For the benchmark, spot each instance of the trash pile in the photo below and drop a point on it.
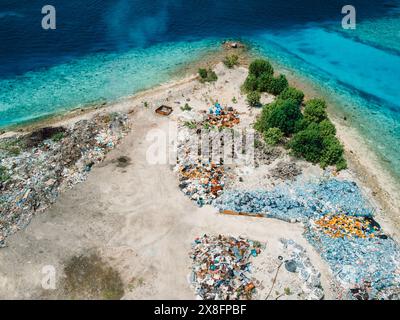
(272, 204)
(48, 161)
(339, 224)
(334, 196)
(201, 182)
(285, 171)
(299, 201)
(298, 262)
(202, 177)
(343, 226)
(364, 268)
(221, 267)
(227, 118)
(263, 153)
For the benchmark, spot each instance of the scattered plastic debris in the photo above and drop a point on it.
(201, 182)
(221, 267)
(298, 201)
(342, 226)
(371, 264)
(298, 262)
(222, 118)
(339, 223)
(49, 160)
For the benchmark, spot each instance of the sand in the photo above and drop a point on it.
(136, 217)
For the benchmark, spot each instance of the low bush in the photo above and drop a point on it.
(278, 84)
(250, 84)
(282, 114)
(273, 136)
(318, 145)
(292, 93)
(231, 61)
(253, 99)
(327, 128)
(259, 67)
(308, 144)
(186, 107)
(207, 75)
(57, 136)
(315, 110)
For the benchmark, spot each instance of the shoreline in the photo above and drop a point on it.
(377, 182)
(369, 171)
(112, 212)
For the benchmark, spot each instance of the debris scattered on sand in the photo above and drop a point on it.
(298, 201)
(226, 119)
(49, 160)
(263, 153)
(297, 261)
(201, 182)
(371, 264)
(222, 268)
(343, 226)
(285, 171)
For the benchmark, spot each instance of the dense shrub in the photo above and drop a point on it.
(207, 75)
(259, 67)
(231, 61)
(250, 84)
(273, 136)
(292, 93)
(332, 152)
(275, 86)
(327, 128)
(308, 143)
(315, 110)
(282, 114)
(318, 145)
(253, 99)
(264, 82)
(278, 84)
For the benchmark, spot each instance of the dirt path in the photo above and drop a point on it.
(138, 221)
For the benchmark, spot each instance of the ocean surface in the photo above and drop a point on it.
(103, 50)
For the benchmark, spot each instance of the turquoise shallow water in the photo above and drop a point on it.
(95, 78)
(363, 80)
(358, 69)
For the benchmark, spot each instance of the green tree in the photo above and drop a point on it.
(308, 144)
(315, 110)
(250, 84)
(253, 99)
(273, 136)
(332, 153)
(278, 84)
(264, 82)
(327, 128)
(259, 67)
(292, 93)
(283, 114)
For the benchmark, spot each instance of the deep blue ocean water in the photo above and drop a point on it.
(106, 49)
